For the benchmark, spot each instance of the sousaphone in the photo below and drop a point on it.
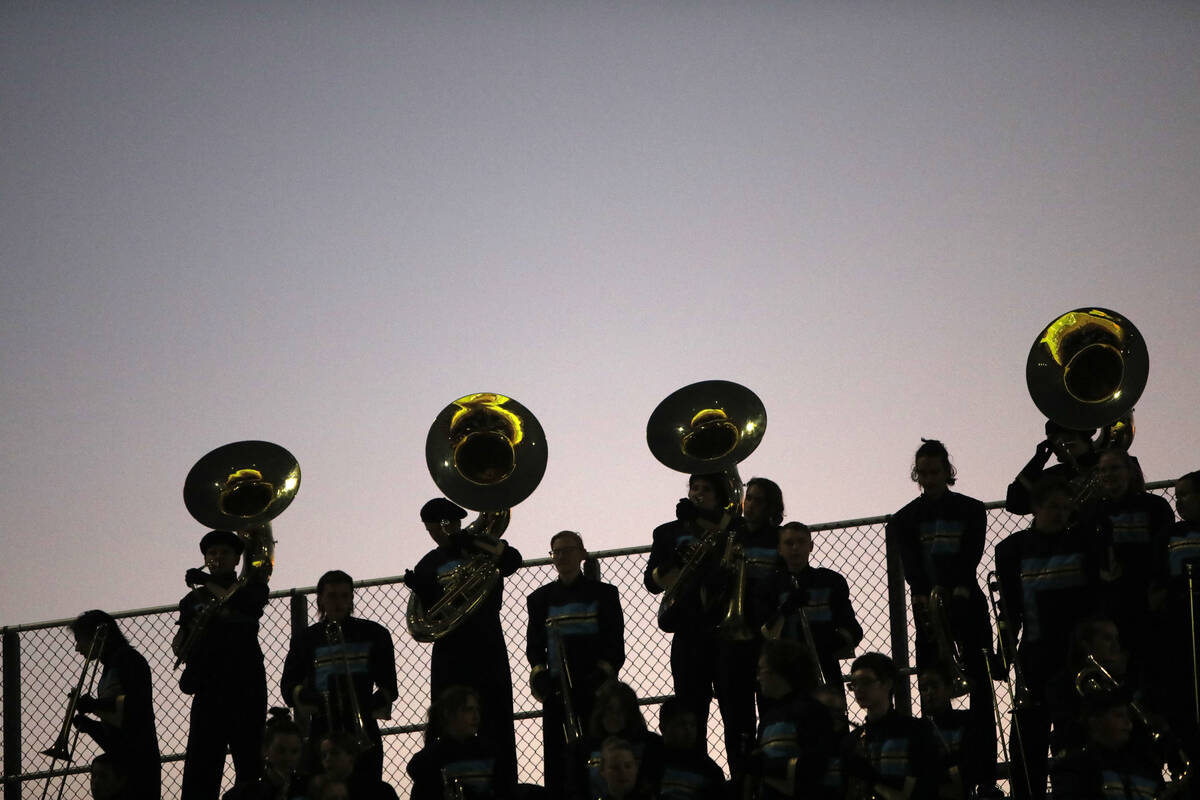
(486, 452)
(1086, 370)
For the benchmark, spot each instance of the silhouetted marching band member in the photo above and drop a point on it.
(616, 713)
(965, 763)
(1140, 522)
(1076, 456)
(342, 672)
(1115, 763)
(218, 623)
(474, 654)
(694, 669)
(455, 758)
(762, 511)
(124, 703)
(688, 772)
(1051, 579)
(1174, 668)
(1099, 637)
(282, 746)
(797, 739)
(891, 756)
(940, 537)
(798, 594)
(338, 754)
(582, 616)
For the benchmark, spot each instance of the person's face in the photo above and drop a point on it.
(336, 761)
(871, 693)
(755, 507)
(1069, 446)
(105, 781)
(932, 476)
(795, 546)
(336, 601)
(703, 495)
(442, 531)
(1111, 729)
(619, 768)
(221, 559)
(1052, 514)
(1114, 475)
(1105, 644)
(1187, 500)
(935, 694)
(283, 753)
(681, 731)
(464, 721)
(771, 682)
(567, 556)
(613, 716)
(83, 643)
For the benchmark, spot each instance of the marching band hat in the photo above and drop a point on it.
(222, 537)
(439, 508)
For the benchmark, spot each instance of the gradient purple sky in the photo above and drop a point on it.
(319, 223)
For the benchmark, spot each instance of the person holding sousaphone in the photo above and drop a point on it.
(472, 652)
(235, 489)
(575, 641)
(123, 703)
(224, 674)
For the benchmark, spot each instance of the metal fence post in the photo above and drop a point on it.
(898, 624)
(12, 712)
(298, 606)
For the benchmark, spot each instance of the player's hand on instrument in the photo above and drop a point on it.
(540, 684)
(86, 704)
(410, 579)
(686, 510)
(196, 577)
(462, 542)
(308, 700)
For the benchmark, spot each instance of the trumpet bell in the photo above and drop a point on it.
(486, 452)
(708, 426)
(1087, 368)
(241, 485)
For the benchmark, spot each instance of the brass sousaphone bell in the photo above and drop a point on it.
(710, 427)
(485, 452)
(1086, 370)
(241, 487)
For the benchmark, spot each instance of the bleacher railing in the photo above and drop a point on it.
(40, 664)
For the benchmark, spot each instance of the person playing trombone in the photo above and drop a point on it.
(575, 641)
(341, 671)
(123, 703)
(218, 639)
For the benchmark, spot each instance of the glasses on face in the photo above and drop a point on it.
(562, 551)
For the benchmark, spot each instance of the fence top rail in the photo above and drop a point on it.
(534, 562)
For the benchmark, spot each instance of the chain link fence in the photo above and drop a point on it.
(40, 663)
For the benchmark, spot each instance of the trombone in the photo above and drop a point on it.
(1017, 689)
(338, 689)
(63, 748)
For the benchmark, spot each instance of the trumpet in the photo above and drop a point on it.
(339, 692)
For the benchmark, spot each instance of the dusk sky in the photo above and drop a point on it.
(319, 223)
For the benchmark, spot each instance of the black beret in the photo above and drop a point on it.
(222, 537)
(439, 508)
